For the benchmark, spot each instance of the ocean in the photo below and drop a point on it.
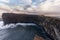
(16, 31)
(22, 31)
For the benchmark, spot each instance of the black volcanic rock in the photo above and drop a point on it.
(50, 24)
(16, 18)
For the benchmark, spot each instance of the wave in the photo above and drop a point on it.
(2, 26)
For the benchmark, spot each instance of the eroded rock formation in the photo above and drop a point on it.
(50, 24)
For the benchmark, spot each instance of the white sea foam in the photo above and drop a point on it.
(2, 26)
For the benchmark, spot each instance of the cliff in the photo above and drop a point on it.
(50, 24)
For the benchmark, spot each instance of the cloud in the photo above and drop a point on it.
(7, 1)
(26, 2)
(50, 6)
(4, 8)
(20, 2)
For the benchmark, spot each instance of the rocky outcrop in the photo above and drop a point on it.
(16, 18)
(50, 24)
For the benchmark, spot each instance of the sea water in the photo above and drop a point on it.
(12, 32)
(18, 32)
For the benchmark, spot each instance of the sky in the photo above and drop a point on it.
(22, 2)
(45, 5)
(25, 2)
(50, 6)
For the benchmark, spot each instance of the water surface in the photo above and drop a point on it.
(16, 31)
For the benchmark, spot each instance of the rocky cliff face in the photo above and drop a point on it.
(50, 24)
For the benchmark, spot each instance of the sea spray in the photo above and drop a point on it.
(2, 26)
